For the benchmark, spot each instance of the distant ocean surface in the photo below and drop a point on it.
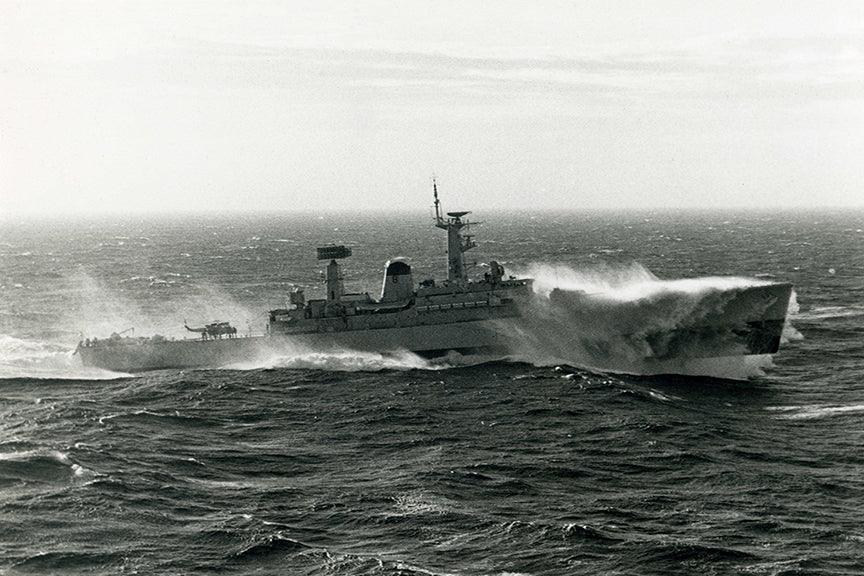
(351, 464)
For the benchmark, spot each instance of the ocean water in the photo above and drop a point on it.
(354, 463)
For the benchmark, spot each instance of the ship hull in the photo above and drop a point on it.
(745, 322)
(427, 341)
(750, 322)
(144, 355)
(732, 322)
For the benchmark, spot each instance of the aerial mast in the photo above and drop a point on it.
(437, 203)
(456, 243)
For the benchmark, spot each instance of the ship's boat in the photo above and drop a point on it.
(434, 318)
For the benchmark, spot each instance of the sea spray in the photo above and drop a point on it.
(22, 358)
(600, 277)
(632, 282)
(626, 319)
(284, 354)
(790, 333)
(341, 361)
(97, 308)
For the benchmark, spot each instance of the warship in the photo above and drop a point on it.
(430, 318)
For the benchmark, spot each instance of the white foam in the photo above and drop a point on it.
(21, 358)
(790, 333)
(341, 360)
(829, 312)
(419, 502)
(25, 455)
(815, 411)
(632, 282)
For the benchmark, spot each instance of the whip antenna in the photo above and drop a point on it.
(437, 202)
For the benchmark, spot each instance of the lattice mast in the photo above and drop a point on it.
(457, 242)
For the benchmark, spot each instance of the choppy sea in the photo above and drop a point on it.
(352, 463)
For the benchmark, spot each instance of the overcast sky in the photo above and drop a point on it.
(188, 106)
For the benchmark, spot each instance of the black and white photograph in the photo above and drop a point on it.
(431, 288)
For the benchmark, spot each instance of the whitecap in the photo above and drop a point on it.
(815, 411)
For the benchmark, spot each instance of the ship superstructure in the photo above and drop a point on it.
(433, 317)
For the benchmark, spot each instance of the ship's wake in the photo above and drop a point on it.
(628, 320)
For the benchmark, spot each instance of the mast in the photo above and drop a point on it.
(437, 203)
(457, 243)
(335, 285)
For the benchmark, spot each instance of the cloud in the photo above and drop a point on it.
(814, 67)
(185, 104)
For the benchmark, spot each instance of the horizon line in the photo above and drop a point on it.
(6, 215)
